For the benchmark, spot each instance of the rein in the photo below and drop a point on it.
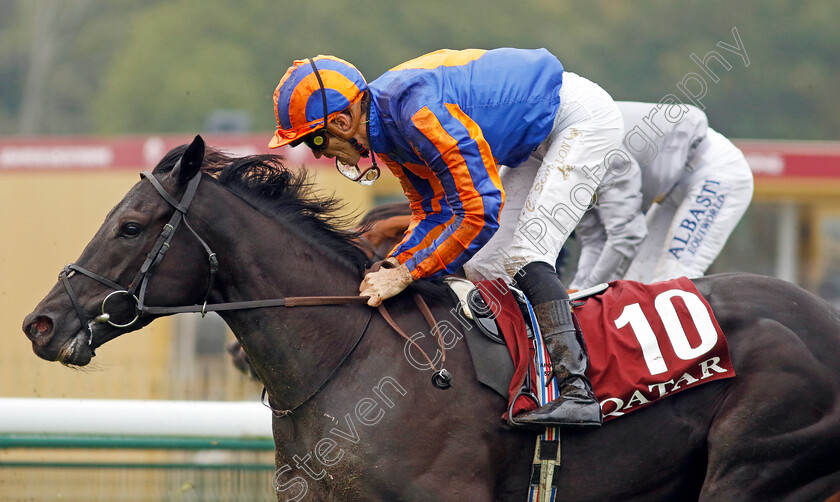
(137, 292)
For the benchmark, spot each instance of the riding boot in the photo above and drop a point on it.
(576, 404)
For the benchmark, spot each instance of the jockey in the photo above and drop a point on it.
(693, 184)
(499, 153)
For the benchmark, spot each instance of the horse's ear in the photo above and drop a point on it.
(190, 162)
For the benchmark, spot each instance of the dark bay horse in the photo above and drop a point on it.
(368, 425)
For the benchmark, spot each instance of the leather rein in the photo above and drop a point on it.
(136, 292)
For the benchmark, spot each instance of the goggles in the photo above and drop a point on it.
(317, 142)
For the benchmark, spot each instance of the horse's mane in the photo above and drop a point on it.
(269, 187)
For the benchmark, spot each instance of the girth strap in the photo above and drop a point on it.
(435, 332)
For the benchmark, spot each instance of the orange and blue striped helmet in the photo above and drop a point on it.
(298, 104)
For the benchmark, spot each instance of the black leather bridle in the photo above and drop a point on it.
(136, 291)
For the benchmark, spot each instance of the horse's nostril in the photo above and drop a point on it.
(40, 330)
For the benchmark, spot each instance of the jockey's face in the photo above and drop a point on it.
(338, 148)
(346, 126)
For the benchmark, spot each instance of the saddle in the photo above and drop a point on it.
(493, 355)
(670, 342)
(645, 342)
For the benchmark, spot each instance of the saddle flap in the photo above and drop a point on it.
(491, 359)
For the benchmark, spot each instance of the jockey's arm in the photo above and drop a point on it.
(623, 228)
(456, 194)
(591, 238)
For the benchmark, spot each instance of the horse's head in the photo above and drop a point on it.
(101, 295)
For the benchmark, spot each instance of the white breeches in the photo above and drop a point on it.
(689, 227)
(548, 193)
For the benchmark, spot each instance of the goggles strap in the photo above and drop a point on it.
(364, 152)
(370, 140)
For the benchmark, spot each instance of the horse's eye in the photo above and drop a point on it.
(130, 230)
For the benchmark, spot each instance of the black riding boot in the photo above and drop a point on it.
(576, 404)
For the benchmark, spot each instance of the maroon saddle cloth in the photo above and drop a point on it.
(645, 342)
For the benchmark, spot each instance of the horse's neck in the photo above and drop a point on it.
(292, 349)
(263, 257)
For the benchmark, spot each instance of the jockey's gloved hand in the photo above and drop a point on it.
(384, 280)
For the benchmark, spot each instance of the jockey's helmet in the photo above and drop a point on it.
(298, 98)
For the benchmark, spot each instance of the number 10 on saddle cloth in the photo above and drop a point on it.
(645, 342)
